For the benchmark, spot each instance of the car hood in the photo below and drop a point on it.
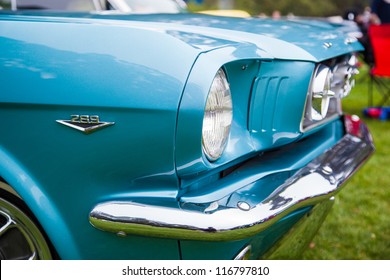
(309, 40)
(318, 38)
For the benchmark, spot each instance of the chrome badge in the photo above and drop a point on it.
(85, 123)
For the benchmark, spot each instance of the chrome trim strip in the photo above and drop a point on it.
(329, 119)
(319, 180)
(86, 130)
(244, 254)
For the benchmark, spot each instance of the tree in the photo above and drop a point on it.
(297, 7)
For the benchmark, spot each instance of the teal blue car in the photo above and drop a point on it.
(171, 136)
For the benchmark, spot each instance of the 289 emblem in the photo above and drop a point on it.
(85, 123)
(84, 119)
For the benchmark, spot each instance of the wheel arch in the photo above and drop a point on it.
(22, 185)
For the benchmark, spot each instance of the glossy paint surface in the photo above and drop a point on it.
(283, 39)
(243, 213)
(51, 71)
(309, 35)
(150, 75)
(261, 119)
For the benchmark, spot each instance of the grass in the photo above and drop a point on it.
(358, 226)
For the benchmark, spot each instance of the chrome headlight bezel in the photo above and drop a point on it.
(331, 81)
(217, 118)
(321, 93)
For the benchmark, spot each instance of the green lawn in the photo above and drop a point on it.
(359, 225)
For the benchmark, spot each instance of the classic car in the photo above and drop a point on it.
(171, 136)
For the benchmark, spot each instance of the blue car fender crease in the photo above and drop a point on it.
(170, 136)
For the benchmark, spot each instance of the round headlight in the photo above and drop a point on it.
(217, 118)
(321, 93)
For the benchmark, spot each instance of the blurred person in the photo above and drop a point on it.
(380, 11)
(276, 14)
(362, 18)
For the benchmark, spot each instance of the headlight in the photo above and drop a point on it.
(329, 84)
(217, 118)
(321, 93)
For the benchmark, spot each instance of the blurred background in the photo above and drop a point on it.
(286, 7)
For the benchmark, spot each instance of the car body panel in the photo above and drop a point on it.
(149, 76)
(45, 64)
(280, 39)
(267, 87)
(307, 35)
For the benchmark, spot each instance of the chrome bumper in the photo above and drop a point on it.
(316, 182)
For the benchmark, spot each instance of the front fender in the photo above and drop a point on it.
(38, 201)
